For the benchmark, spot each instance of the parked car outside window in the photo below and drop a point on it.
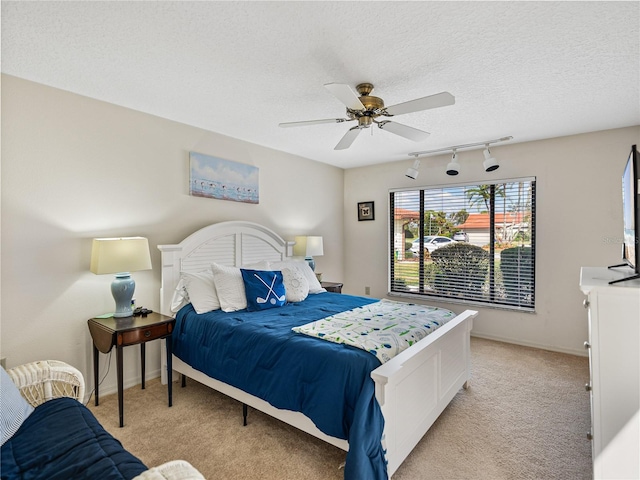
(461, 237)
(431, 243)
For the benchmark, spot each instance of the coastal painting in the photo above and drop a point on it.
(213, 177)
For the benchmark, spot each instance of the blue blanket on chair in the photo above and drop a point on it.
(62, 440)
(259, 353)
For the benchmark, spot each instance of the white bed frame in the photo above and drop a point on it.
(412, 389)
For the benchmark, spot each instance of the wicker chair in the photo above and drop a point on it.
(173, 470)
(41, 381)
(45, 380)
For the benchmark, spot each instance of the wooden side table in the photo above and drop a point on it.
(122, 332)
(332, 287)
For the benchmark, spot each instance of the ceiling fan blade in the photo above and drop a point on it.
(442, 99)
(347, 96)
(348, 138)
(311, 122)
(404, 131)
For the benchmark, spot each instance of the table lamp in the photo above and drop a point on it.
(308, 247)
(121, 256)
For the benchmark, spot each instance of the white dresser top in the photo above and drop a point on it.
(599, 277)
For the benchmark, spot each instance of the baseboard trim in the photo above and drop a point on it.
(569, 351)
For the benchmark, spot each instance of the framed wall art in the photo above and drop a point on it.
(213, 177)
(365, 211)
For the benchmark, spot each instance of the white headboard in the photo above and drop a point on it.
(233, 243)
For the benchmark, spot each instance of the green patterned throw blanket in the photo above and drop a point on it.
(384, 328)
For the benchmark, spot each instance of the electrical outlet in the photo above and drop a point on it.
(3, 362)
(367, 290)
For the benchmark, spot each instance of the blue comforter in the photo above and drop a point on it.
(61, 439)
(330, 383)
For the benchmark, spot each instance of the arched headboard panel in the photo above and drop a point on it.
(233, 243)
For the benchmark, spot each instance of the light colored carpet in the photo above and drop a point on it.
(525, 416)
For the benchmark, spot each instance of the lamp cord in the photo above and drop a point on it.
(102, 380)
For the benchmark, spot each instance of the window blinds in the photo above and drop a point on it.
(465, 243)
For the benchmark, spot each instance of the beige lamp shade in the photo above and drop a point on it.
(308, 246)
(115, 255)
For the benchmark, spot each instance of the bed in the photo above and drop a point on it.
(408, 392)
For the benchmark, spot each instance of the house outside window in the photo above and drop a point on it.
(471, 243)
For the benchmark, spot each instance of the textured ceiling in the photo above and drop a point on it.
(529, 69)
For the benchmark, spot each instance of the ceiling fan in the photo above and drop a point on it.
(366, 108)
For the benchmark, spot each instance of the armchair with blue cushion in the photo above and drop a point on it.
(48, 433)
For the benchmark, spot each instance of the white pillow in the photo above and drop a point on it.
(261, 265)
(180, 297)
(295, 284)
(15, 409)
(304, 268)
(229, 287)
(201, 291)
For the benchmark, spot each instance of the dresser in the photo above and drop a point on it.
(614, 364)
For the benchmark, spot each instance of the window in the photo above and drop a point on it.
(465, 243)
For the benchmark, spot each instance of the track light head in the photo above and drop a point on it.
(413, 171)
(454, 167)
(490, 164)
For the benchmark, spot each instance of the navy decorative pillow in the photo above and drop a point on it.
(264, 289)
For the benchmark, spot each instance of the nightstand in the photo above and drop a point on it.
(122, 332)
(332, 287)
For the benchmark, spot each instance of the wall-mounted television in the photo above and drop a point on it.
(631, 216)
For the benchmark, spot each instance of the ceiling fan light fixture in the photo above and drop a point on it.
(365, 121)
(366, 108)
(454, 167)
(490, 163)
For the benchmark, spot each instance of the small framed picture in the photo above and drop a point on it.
(365, 211)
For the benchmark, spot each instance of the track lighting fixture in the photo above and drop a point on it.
(490, 164)
(413, 171)
(454, 167)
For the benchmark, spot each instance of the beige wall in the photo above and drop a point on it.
(579, 212)
(74, 168)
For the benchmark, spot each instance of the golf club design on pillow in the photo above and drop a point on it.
(270, 292)
(264, 289)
